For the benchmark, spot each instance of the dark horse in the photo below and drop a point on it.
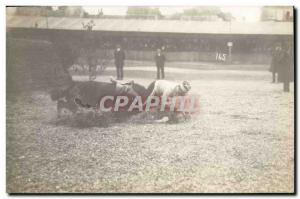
(88, 94)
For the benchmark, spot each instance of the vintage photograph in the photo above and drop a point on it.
(150, 99)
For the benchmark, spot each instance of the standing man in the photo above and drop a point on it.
(160, 64)
(90, 48)
(119, 55)
(276, 53)
(285, 67)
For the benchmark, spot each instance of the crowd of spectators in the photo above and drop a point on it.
(173, 44)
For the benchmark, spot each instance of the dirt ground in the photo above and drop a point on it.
(242, 141)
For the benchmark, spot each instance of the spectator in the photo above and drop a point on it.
(285, 67)
(276, 53)
(160, 64)
(119, 55)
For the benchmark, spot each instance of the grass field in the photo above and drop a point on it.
(242, 141)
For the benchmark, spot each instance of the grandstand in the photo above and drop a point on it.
(183, 40)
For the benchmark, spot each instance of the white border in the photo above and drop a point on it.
(102, 3)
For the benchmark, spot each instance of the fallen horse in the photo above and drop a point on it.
(127, 99)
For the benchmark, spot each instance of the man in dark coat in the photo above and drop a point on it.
(119, 61)
(285, 67)
(160, 64)
(276, 53)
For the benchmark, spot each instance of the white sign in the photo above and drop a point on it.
(229, 44)
(221, 56)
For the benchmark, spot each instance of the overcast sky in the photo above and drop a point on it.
(250, 13)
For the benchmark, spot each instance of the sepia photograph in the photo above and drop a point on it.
(150, 99)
